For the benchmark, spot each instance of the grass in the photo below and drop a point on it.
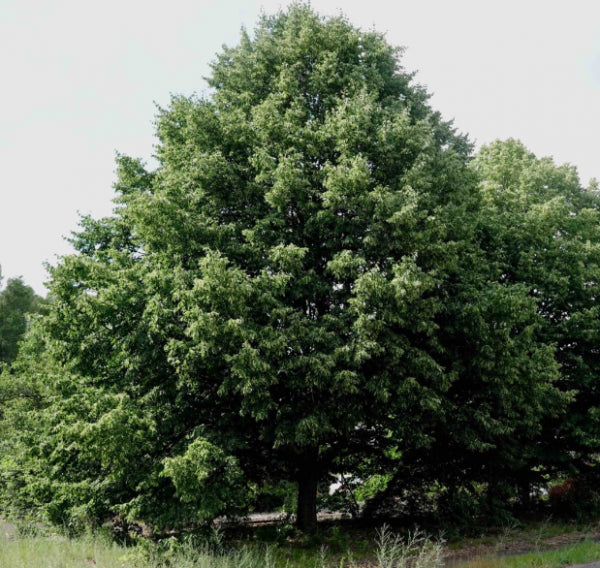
(43, 551)
(388, 551)
(579, 553)
(98, 552)
(54, 552)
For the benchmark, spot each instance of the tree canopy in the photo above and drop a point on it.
(265, 302)
(544, 233)
(317, 276)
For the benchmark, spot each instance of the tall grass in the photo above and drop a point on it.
(417, 551)
(390, 551)
(36, 551)
(45, 552)
(55, 552)
(60, 552)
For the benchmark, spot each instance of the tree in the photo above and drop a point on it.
(17, 300)
(543, 232)
(275, 301)
(519, 334)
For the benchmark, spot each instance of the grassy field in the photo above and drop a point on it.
(386, 551)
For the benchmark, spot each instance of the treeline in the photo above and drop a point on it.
(319, 277)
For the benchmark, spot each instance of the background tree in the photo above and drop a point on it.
(17, 300)
(543, 232)
(521, 337)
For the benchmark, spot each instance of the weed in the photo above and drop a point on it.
(417, 552)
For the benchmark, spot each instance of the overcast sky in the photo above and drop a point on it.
(80, 80)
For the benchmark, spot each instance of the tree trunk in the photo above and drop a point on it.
(306, 514)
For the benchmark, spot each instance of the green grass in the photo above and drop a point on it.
(579, 553)
(387, 551)
(43, 551)
(98, 552)
(55, 552)
(59, 552)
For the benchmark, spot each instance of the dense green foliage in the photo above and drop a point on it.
(247, 311)
(527, 409)
(317, 278)
(546, 236)
(523, 407)
(17, 300)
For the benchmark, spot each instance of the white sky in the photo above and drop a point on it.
(79, 81)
